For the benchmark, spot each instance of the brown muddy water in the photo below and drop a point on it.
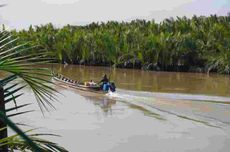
(150, 112)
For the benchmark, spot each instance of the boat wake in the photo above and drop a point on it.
(197, 108)
(141, 95)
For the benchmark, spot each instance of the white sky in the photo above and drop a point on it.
(22, 13)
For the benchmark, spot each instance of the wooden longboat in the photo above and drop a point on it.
(78, 85)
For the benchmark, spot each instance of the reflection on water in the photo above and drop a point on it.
(105, 105)
(102, 101)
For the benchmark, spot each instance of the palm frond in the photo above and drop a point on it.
(19, 132)
(19, 113)
(21, 66)
(17, 107)
(4, 81)
(16, 64)
(13, 98)
(15, 142)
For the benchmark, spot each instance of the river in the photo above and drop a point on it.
(149, 112)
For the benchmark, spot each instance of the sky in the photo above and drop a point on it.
(19, 14)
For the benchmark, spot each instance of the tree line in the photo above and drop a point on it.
(197, 44)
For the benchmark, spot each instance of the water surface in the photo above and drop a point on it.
(138, 80)
(151, 111)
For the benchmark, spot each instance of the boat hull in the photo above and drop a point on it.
(95, 89)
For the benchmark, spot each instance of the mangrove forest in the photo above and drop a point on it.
(197, 44)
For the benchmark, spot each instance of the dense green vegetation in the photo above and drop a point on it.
(199, 44)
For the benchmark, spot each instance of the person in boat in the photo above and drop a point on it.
(90, 83)
(104, 79)
(104, 83)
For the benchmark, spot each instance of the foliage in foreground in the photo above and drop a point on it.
(18, 71)
(182, 44)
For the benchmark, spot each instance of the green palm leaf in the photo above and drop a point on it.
(16, 65)
(22, 68)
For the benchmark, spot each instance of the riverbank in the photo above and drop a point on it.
(148, 67)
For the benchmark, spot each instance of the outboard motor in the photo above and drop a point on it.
(106, 86)
(112, 87)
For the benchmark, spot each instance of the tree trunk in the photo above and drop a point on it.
(3, 133)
